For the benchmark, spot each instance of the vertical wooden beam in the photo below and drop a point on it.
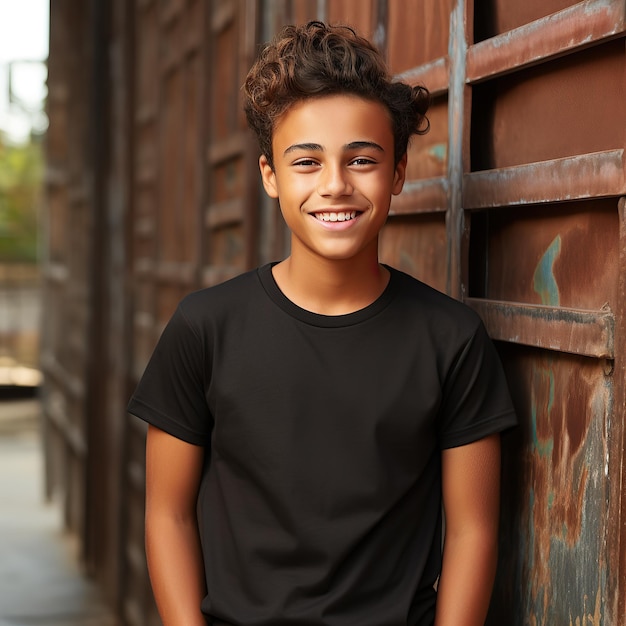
(381, 21)
(97, 320)
(250, 29)
(455, 223)
(615, 468)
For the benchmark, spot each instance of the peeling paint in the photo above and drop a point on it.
(439, 151)
(565, 501)
(544, 281)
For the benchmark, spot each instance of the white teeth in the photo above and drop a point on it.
(336, 217)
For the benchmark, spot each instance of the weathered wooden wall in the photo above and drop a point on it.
(514, 203)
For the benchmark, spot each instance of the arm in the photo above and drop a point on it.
(471, 498)
(173, 470)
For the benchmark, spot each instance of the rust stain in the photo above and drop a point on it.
(563, 565)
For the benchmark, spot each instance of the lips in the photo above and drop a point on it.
(335, 216)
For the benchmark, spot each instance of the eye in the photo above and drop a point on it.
(362, 161)
(305, 163)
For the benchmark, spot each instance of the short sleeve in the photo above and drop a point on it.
(171, 393)
(476, 400)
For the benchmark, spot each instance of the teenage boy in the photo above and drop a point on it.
(308, 419)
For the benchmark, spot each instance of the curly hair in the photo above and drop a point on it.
(316, 59)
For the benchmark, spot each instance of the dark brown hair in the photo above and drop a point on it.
(315, 60)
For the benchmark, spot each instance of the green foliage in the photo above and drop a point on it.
(21, 172)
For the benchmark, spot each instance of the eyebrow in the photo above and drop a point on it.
(316, 147)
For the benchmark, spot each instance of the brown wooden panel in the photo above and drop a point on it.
(191, 163)
(170, 160)
(56, 222)
(492, 17)
(228, 180)
(228, 247)
(146, 87)
(571, 106)
(428, 154)
(416, 245)
(584, 24)
(417, 32)
(146, 155)
(422, 196)
(232, 176)
(224, 85)
(563, 255)
(303, 11)
(356, 13)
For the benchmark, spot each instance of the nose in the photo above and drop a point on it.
(334, 181)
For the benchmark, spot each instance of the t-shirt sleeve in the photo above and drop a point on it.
(171, 393)
(476, 400)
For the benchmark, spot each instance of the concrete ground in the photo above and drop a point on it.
(40, 581)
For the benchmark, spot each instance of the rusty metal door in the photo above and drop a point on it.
(513, 205)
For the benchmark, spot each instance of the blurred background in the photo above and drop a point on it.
(128, 178)
(23, 122)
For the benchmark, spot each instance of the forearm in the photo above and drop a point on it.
(466, 582)
(176, 569)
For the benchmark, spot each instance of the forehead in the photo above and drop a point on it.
(331, 121)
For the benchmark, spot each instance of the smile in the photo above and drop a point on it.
(340, 216)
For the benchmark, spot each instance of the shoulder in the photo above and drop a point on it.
(222, 299)
(430, 306)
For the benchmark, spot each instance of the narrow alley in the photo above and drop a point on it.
(40, 581)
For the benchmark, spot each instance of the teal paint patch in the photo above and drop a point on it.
(544, 282)
(439, 151)
(541, 377)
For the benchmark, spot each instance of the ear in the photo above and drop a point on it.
(268, 176)
(399, 175)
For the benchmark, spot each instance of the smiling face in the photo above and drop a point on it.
(334, 175)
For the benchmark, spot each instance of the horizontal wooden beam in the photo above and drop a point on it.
(578, 26)
(214, 274)
(434, 76)
(227, 149)
(225, 213)
(178, 273)
(55, 373)
(575, 331)
(595, 175)
(429, 195)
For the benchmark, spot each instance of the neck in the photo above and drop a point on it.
(331, 287)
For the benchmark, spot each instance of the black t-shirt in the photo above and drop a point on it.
(320, 501)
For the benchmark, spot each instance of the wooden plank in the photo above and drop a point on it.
(421, 196)
(433, 75)
(178, 273)
(223, 16)
(588, 333)
(595, 175)
(214, 274)
(225, 213)
(229, 148)
(578, 26)
(615, 468)
(458, 125)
